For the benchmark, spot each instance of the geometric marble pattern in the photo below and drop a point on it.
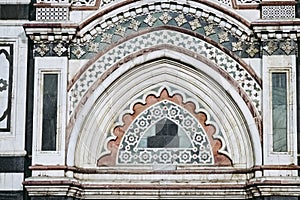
(56, 48)
(164, 126)
(52, 14)
(197, 150)
(177, 40)
(278, 12)
(279, 47)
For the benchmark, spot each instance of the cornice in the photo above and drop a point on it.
(273, 29)
(38, 31)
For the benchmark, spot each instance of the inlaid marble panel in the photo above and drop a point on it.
(187, 145)
(5, 86)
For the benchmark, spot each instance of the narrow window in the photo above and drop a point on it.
(50, 100)
(279, 111)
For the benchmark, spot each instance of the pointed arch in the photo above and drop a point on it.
(197, 35)
(240, 75)
(208, 87)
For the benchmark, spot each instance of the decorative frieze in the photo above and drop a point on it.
(51, 49)
(84, 3)
(53, 1)
(279, 47)
(218, 30)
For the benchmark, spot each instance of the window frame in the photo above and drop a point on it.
(287, 72)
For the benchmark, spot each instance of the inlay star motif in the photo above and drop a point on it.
(180, 19)
(42, 49)
(93, 47)
(223, 37)
(237, 46)
(150, 20)
(209, 29)
(106, 38)
(252, 50)
(287, 47)
(59, 49)
(120, 30)
(134, 24)
(195, 24)
(271, 47)
(78, 52)
(165, 17)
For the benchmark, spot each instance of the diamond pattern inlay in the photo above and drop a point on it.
(165, 17)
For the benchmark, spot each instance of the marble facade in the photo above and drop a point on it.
(191, 99)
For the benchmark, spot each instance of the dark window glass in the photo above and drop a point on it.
(279, 111)
(49, 129)
(14, 11)
(166, 135)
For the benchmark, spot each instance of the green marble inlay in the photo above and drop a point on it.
(201, 26)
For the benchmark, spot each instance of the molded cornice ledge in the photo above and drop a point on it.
(38, 31)
(271, 29)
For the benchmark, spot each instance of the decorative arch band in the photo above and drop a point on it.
(166, 39)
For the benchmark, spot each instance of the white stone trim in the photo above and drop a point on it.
(287, 64)
(11, 181)
(165, 186)
(14, 1)
(51, 65)
(13, 142)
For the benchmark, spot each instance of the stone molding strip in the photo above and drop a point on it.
(203, 170)
(51, 31)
